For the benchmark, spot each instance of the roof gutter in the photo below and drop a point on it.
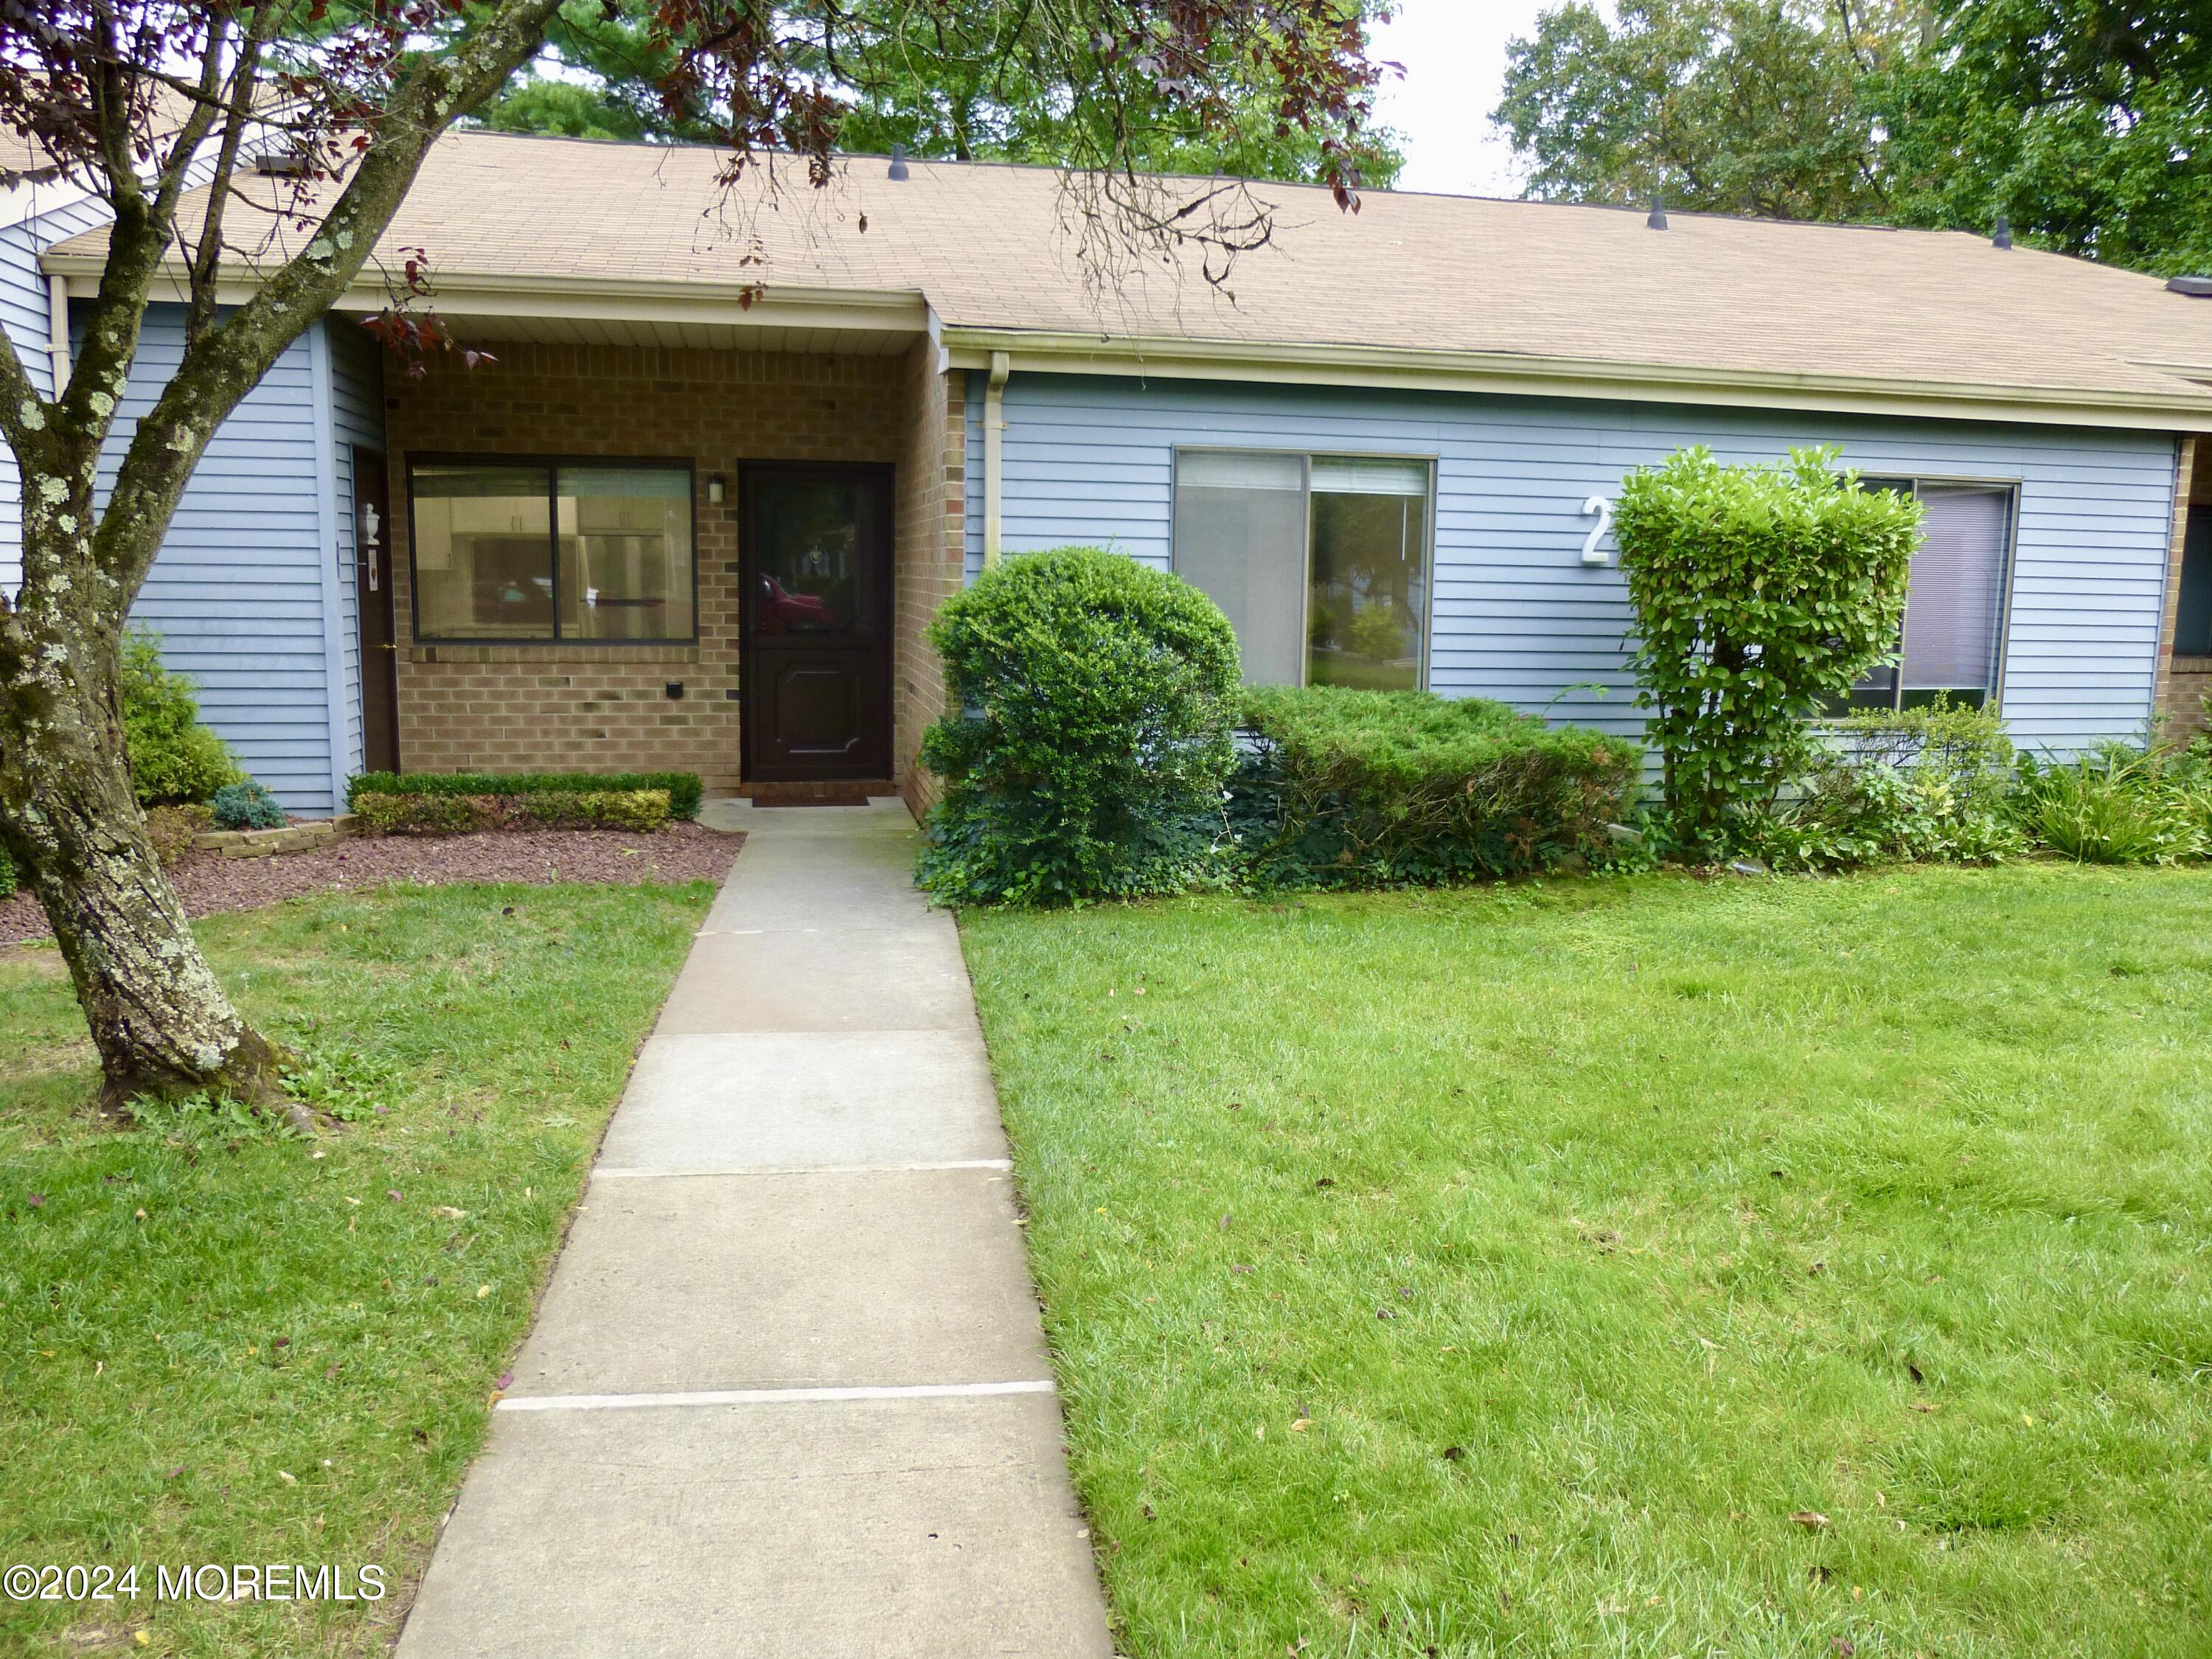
(1395, 368)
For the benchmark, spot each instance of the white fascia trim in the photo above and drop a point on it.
(767, 305)
(1401, 369)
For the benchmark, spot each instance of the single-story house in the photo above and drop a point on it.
(732, 456)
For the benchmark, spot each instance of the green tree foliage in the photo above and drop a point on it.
(958, 80)
(1761, 593)
(1091, 759)
(1729, 106)
(2089, 123)
(2085, 121)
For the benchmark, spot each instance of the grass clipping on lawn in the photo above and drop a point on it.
(223, 1351)
(1637, 1267)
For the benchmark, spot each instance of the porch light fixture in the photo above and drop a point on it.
(716, 484)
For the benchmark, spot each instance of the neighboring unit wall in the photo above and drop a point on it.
(238, 591)
(356, 416)
(1517, 617)
(25, 321)
(931, 483)
(604, 708)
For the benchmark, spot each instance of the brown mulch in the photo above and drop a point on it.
(210, 885)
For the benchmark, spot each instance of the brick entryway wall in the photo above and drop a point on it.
(515, 707)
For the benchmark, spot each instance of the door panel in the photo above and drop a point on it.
(380, 636)
(815, 654)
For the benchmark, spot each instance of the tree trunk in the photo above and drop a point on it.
(159, 1017)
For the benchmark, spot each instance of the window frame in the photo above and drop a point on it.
(2008, 564)
(1305, 458)
(552, 462)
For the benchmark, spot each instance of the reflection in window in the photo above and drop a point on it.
(1321, 565)
(482, 563)
(810, 534)
(1369, 588)
(625, 538)
(2192, 623)
(507, 550)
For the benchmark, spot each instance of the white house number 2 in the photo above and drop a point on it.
(1593, 553)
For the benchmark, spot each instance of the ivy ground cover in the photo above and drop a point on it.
(1643, 1266)
(218, 1347)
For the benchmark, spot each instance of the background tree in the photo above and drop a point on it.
(2087, 122)
(973, 81)
(136, 98)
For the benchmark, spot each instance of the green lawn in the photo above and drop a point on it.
(228, 1353)
(1502, 1271)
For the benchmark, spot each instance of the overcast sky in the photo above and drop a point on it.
(1453, 51)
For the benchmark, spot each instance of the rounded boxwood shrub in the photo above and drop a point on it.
(1099, 696)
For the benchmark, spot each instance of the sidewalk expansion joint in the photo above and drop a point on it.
(1000, 1164)
(617, 1402)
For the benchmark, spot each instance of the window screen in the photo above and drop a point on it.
(1240, 539)
(2192, 623)
(520, 551)
(1954, 599)
(1320, 564)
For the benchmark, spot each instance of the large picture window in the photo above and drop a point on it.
(1321, 562)
(521, 550)
(1954, 604)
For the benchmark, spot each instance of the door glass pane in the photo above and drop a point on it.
(625, 547)
(813, 540)
(1240, 539)
(1957, 595)
(1368, 592)
(484, 563)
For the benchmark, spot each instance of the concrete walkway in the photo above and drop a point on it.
(786, 1397)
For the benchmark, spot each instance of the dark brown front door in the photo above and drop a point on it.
(379, 646)
(816, 651)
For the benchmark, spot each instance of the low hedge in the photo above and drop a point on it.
(1347, 788)
(439, 814)
(683, 789)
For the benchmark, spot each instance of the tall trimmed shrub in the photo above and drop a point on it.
(1089, 763)
(1761, 593)
(173, 758)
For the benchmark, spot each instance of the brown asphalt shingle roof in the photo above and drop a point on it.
(988, 246)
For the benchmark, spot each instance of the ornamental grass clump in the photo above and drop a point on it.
(1762, 594)
(1089, 760)
(1351, 788)
(2120, 804)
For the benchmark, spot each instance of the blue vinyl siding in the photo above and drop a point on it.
(1516, 616)
(357, 419)
(239, 592)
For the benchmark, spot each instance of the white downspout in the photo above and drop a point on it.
(57, 340)
(994, 443)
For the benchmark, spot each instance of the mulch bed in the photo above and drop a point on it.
(210, 885)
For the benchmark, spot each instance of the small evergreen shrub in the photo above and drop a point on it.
(1762, 594)
(2120, 804)
(683, 789)
(1090, 762)
(1929, 785)
(246, 805)
(1351, 788)
(7, 874)
(173, 758)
